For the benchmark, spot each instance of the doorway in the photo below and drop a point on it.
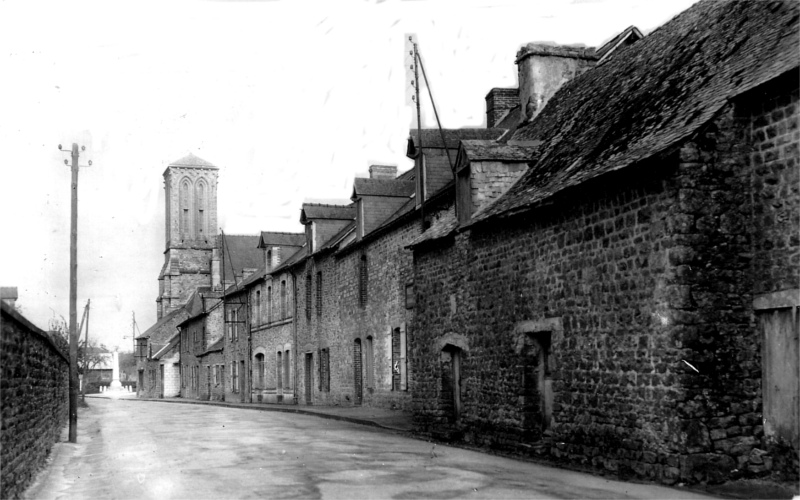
(537, 385)
(451, 381)
(242, 382)
(309, 370)
(781, 374)
(161, 381)
(358, 397)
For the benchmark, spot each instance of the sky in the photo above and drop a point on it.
(290, 99)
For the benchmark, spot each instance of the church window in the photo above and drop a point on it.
(201, 209)
(185, 202)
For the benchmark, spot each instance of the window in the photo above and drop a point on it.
(269, 304)
(369, 356)
(184, 200)
(287, 369)
(308, 296)
(269, 260)
(201, 205)
(319, 293)
(279, 368)
(216, 375)
(257, 309)
(362, 281)
(324, 370)
(411, 297)
(399, 375)
(283, 299)
(233, 324)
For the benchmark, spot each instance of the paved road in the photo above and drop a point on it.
(138, 449)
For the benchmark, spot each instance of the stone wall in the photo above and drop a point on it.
(389, 271)
(589, 265)
(35, 402)
(639, 288)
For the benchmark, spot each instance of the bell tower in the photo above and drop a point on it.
(190, 186)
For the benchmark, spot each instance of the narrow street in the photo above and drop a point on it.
(136, 449)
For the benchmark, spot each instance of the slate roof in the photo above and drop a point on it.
(432, 138)
(257, 275)
(217, 346)
(408, 175)
(511, 119)
(191, 160)
(276, 239)
(497, 151)
(312, 211)
(382, 187)
(242, 252)
(338, 237)
(292, 260)
(441, 228)
(173, 341)
(158, 324)
(654, 94)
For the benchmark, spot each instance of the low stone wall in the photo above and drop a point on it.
(35, 402)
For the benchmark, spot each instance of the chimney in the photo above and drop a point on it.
(543, 69)
(382, 172)
(9, 295)
(215, 277)
(498, 103)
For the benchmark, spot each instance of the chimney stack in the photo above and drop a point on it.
(383, 172)
(544, 68)
(9, 295)
(498, 103)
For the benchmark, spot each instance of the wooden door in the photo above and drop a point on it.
(309, 380)
(781, 375)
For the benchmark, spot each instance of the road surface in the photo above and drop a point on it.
(130, 449)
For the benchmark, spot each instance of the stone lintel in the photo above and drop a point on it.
(777, 300)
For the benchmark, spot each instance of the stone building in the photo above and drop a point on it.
(272, 328)
(618, 285)
(201, 330)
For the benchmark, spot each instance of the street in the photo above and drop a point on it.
(137, 449)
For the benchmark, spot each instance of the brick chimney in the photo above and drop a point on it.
(543, 69)
(498, 103)
(383, 172)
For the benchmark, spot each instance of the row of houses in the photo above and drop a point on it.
(608, 274)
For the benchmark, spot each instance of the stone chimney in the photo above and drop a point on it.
(9, 295)
(498, 103)
(383, 172)
(543, 69)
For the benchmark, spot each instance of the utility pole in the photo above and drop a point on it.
(73, 297)
(421, 170)
(85, 351)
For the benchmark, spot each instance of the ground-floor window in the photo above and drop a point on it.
(324, 370)
(258, 368)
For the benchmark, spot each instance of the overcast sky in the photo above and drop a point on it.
(291, 99)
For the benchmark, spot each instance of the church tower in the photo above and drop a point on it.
(190, 186)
